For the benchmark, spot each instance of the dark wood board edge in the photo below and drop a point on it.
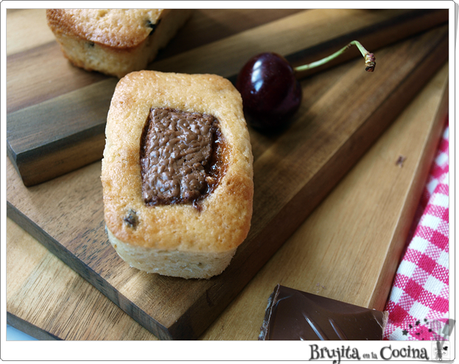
(33, 126)
(60, 157)
(38, 159)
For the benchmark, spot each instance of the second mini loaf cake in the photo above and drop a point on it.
(114, 41)
(177, 173)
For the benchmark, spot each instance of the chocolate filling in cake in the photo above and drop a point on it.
(180, 156)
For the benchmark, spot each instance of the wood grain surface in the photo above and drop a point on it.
(57, 113)
(48, 300)
(345, 112)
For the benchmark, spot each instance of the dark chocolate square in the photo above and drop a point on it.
(295, 315)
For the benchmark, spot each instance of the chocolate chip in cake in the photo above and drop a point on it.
(153, 26)
(131, 219)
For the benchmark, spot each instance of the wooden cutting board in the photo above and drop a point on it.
(48, 300)
(293, 173)
(56, 114)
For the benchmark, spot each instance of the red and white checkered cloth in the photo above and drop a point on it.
(418, 305)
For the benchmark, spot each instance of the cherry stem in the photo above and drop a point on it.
(370, 62)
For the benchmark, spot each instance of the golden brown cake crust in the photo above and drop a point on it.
(117, 28)
(224, 220)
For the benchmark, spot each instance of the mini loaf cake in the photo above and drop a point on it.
(177, 173)
(114, 41)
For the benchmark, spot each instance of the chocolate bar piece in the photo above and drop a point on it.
(295, 315)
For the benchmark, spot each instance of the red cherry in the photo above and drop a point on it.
(271, 93)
